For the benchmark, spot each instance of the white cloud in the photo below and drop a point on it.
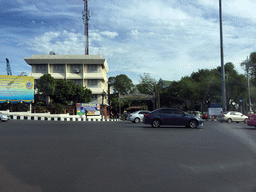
(28, 8)
(236, 8)
(134, 32)
(65, 42)
(168, 39)
(109, 34)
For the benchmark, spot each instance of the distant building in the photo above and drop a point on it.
(163, 83)
(87, 70)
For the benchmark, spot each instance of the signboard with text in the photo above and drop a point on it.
(92, 109)
(215, 111)
(16, 89)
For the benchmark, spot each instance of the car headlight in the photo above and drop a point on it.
(197, 118)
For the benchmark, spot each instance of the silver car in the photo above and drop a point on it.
(137, 116)
(231, 116)
(4, 117)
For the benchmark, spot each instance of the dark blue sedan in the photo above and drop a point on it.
(170, 116)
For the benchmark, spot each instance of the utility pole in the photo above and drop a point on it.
(222, 63)
(86, 18)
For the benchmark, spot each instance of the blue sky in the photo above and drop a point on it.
(168, 39)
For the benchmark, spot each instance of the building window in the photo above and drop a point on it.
(58, 68)
(75, 68)
(92, 68)
(94, 97)
(41, 68)
(92, 83)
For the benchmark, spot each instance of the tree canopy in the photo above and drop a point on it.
(147, 84)
(67, 91)
(121, 84)
(63, 91)
(46, 85)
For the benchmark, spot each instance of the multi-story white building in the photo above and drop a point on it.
(87, 70)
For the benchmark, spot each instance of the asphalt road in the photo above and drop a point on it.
(123, 156)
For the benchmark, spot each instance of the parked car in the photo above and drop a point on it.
(171, 116)
(232, 116)
(4, 117)
(205, 116)
(137, 116)
(251, 121)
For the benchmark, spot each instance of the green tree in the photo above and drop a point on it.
(190, 90)
(147, 84)
(46, 85)
(114, 101)
(67, 91)
(236, 86)
(121, 84)
(209, 86)
(79, 94)
(250, 67)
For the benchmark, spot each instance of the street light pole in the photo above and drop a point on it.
(248, 65)
(119, 106)
(103, 95)
(222, 63)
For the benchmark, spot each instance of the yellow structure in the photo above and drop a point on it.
(16, 89)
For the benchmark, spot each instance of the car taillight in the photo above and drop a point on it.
(130, 115)
(146, 115)
(223, 116)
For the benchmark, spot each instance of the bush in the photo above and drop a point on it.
(39, 108)
(58, 108)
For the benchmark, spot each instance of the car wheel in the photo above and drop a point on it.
(137, 120)
(193, 124)
(156, 123)
(245, 121)
(229, 120)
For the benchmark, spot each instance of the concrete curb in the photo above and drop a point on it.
(37, 118)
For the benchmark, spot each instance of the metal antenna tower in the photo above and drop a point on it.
(86, 18)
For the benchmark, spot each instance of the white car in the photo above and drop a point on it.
(231, 116)
(4, 117)
(137, 116)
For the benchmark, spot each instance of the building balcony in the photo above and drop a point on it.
(36, 75)
(95, 76)
(74, 76)
(96, 90)
(58, 75)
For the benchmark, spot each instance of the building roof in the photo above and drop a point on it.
(164, 83)
(69, 59)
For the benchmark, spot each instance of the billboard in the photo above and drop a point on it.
(16, 89)
(215, 111)
(92, 109)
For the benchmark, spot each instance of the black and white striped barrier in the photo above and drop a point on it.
(38, 118)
